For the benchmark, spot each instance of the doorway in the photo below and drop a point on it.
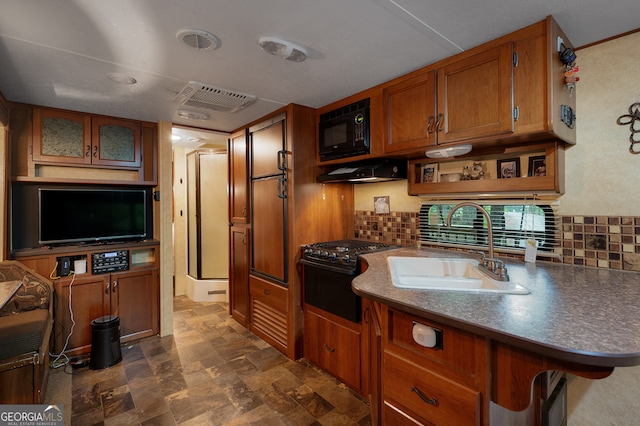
(200, 210)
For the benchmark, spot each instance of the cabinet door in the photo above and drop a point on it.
(267, 149)
(116, 142)
(238, 178)
(61, 137)
(268, 236)
(409, 111)
(333, 347)
(239, 274)
(134, 298)
(475, 96)
(89, 300)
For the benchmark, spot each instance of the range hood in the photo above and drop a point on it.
(378, 171)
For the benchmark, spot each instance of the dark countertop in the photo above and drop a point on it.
(579, 314)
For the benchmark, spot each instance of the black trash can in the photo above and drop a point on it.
(105, 342)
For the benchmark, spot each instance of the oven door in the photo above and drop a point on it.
(329, 288)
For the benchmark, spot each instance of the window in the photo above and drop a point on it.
(513, 225)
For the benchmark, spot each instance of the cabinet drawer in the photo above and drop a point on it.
(425, 395)
(461, 351)
(275, 295)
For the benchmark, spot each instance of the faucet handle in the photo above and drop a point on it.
(500, 269)
(481, 253)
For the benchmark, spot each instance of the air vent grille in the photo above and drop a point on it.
(199, 95)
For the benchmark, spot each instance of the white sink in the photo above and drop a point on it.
(453, 274)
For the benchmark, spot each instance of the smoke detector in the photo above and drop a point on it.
(199, 95)
(199, 39)
(283, 48)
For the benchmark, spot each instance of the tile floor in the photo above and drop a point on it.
(211, 371)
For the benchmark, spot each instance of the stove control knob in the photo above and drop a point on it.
(325, 254)
(333, 256)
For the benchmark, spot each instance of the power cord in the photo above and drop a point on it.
(61, 359)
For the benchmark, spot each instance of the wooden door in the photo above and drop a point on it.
(61, 137)
(116, 142)
(238, 178)
(269, 250)
(89, 300)
(239, 274)
(134, 298)
(267, 148)
(475, 95)
(409, 111)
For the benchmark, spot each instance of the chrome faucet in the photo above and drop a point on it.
(494, 267)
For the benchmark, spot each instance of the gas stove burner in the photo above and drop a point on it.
(341, 253)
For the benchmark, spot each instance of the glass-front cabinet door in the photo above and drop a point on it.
(61, 137)
(116, 142)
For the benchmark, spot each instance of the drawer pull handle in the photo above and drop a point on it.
(422, 396)
(329, 348)
(266, 292)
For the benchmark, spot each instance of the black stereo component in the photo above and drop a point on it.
(110, 261)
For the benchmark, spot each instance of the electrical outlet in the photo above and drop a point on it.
(560, 43)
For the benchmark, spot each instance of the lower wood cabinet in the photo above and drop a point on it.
(269, 312)
(132, 295)
(440, 385)
(239, 274)
(333, 344)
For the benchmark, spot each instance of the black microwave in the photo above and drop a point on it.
(344, 132)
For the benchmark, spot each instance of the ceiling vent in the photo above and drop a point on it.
(199, 39)
(200, 95)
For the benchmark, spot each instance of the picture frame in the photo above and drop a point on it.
(381, 205)
(537, 165)
(508, 168)
(429, 173)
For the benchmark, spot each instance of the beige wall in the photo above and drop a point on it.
(601, 174)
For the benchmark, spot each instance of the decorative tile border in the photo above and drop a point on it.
(599, 241)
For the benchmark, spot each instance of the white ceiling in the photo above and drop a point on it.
(58, 53)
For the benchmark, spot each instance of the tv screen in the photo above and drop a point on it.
(91, 215)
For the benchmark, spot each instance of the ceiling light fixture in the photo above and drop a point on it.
(284, 49)
(199, 39)
(119, 78)
(452, 151)
(193, 115)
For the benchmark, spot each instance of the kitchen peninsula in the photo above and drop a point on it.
(576, 319)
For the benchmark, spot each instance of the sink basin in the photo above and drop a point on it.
(452, 274)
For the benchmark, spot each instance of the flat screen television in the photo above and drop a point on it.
(91, 215)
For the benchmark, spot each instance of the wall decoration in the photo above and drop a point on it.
(537, 165)
(429, 173)
(509, 168)
(633, 120)
(474, 172)
(381, 205)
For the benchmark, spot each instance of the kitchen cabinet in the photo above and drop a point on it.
(288, 209)
(508, 90)
(372, 358)
(334, 345)
(238, 178)
(239, 274)
(444, 384)
(51, 145)
(474, 100)
(132, 295)
(64, 137)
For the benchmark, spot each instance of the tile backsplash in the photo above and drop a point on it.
(599, 241)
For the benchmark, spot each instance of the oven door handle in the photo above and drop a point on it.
(329, 267)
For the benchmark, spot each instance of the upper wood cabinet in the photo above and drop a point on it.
(409, 111)
(65, 137)
(61, 136)
(53, 145)
(238, 178)
(507, 91)
(465, 99)
(116, 142)
(475, 95)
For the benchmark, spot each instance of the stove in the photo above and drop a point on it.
(329, 267)
(340, 254)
